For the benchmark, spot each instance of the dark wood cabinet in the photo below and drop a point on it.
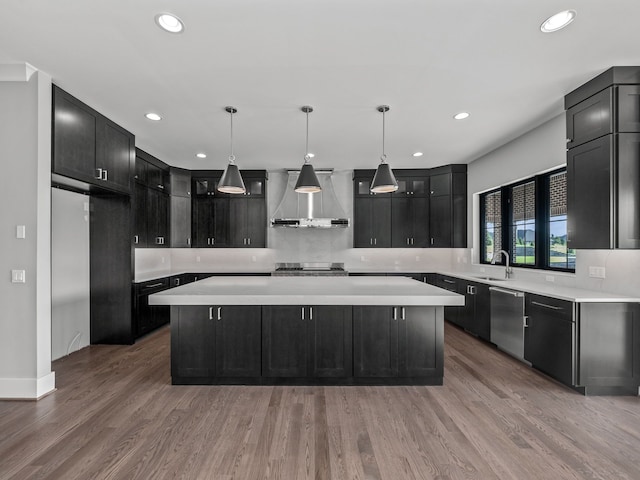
(448, 207)
(402, 342)
(247, 222)
(549, 337)
(210, 222)
(139, 215)
(238, 341)
(307, 341)
(180, 224)
(88, 146)
(224, 220)
(215, 341)
(410, 222)
(603, 161)
(180, 182)
(372, 222)
(157, 218)
(149, 317)
(151, 202)
(429, 209)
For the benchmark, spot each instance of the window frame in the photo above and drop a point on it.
(542, 222)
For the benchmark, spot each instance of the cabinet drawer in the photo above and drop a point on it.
(548, 306)
(153, 286)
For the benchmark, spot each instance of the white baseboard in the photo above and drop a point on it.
(27, 388)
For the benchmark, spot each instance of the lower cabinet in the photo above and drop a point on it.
(549, 337)
(293, 344)
(306, 341)
(397, 342)
(149, 317)
(215, 341)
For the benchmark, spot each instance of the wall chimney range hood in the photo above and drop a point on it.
(310, 210)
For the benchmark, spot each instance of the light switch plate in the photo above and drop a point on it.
(18, 276)
(597, 272)
(21, 231)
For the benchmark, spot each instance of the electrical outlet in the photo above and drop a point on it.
(597, 272)
(198, 258)
(550, 278)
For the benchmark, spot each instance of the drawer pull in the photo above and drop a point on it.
(448, 281)
(154, 285)
(552, 307)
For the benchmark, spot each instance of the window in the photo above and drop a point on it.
(528, 219)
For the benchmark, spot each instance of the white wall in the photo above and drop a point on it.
(539, 150)
(25, 150)
(70, 280)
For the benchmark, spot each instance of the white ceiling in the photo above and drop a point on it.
(427, 59)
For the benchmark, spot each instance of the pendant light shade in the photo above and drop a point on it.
(231, 180)
(307, 180)
(384, 181)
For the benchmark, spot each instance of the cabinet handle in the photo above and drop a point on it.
(99, 174)
(471, 290)
(302, 313)
(395, 313)
(208, 241)
(371, 241)
(188, 240)
(105, 175)
(448, 281)
(210, 312)
(431, 240)
(219, 313)
(161, 187)
(407, 241)
(213, 240)
(249, 241)
(375, 241)
(154, 285)
(412, 240)
(177, 281)
(403, 313)
(552, 307)
(135, 239)
(525, 321)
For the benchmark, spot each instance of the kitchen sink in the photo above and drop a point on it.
(493, 279)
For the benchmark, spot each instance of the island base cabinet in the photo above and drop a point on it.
(215, 344)
(398, 345)
(306, 342)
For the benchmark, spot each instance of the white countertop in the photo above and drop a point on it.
(148, 276)
(548, 289)
(250, 290)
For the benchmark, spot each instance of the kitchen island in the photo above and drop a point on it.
(307, 331)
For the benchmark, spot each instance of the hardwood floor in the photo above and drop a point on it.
(115, 415)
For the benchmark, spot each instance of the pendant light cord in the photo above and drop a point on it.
(306, 150)
(232, 157)
(383, 158)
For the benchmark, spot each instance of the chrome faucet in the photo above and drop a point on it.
(507, 270)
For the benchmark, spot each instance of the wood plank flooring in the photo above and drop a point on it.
(115, 415)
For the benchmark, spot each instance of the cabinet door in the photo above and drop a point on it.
(481, 325)
(115, 153)
(219, 226)
(202, 218)
(401, 222)
(375, 342)
(157, 216)
(163, 219)
(238, 222)
(420, 237)
(549, 337)
(590, 119)
(256, 223)
(372, 221)
(628, 194)
(180, 222)
(420, 342)
(238, 341)
(180, 181)
(74, 137)
(362, 231)
(330, 341)
(440, 218)
(285, 346)
(192, 342)
(589, 195)
(140, 216)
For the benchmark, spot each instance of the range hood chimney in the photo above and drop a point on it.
(310, 210)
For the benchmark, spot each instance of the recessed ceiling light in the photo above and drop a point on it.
(169, 23)
(418, 154)
(558, 21)
(461, 115)
(201, 155)
(153, 116)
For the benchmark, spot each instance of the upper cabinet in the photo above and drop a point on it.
(603, 161)
(150, 202)
(429, 209)
(89, 147)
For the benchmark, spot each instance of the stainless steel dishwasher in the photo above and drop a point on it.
(507, 320)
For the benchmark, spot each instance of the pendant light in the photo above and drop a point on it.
(231, 180)
(383, 181)
(307, 180)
